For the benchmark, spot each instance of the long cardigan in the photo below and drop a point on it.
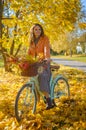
(41, 49)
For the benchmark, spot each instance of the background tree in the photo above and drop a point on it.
(57, 17)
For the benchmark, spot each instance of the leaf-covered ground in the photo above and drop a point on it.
(70, 114)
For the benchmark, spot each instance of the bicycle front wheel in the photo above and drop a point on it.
(61, 88)
(25, 102)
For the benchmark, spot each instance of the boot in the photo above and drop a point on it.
(49, 103)
(44, 99)
(53, 103)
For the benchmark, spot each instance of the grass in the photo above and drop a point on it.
(81, 58)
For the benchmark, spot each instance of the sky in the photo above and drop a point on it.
(84, 4)
(83, 9)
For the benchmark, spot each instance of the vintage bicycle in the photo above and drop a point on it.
(26, 99)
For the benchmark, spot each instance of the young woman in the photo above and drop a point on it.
(40, 48)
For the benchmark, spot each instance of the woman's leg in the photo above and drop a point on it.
(44, 83)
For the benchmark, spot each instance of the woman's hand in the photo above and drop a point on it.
(47, 61)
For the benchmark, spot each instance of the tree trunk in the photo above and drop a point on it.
(2, 50)
(1, 13)
(18, 49)
(70, 53)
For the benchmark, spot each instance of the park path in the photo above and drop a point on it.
(71, 63)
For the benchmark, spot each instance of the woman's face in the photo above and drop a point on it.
(37, 31)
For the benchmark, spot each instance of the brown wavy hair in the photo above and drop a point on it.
(32, 36)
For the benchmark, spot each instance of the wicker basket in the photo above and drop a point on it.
(28, 69)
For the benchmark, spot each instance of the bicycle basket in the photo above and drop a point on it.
(28, 69)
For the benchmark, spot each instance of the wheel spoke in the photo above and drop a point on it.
(25, 102)
(61, 88)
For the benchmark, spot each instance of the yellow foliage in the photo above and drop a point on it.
(70, 114)
(56, 17)
(30, 59)
(82, 25)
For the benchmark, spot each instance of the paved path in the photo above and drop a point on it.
(73, 64)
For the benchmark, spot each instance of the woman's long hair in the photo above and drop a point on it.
(31, 36)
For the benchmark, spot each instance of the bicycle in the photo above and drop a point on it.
(26, 99)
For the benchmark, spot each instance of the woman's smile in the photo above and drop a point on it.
(37, 31)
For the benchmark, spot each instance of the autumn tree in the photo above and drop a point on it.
(56, 16)
(2, 50)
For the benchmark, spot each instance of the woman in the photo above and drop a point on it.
(40, 49)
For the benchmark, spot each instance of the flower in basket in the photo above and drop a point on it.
(29, 65)
(25, 62)
(24, 65)
(31, 59)
(12, 59)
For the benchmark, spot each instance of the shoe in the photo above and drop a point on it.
(53, 103)
(49, 107)
(49, 103)
(44, 98)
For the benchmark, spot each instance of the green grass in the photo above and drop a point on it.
(81, 58)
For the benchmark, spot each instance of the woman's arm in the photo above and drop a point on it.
(47, 49)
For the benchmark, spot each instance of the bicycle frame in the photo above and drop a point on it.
(52, 83)
(30, 90)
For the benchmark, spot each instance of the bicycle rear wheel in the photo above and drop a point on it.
(61, 88)
(25, 102)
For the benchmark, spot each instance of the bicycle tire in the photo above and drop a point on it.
(60, 88)
(25, 102)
